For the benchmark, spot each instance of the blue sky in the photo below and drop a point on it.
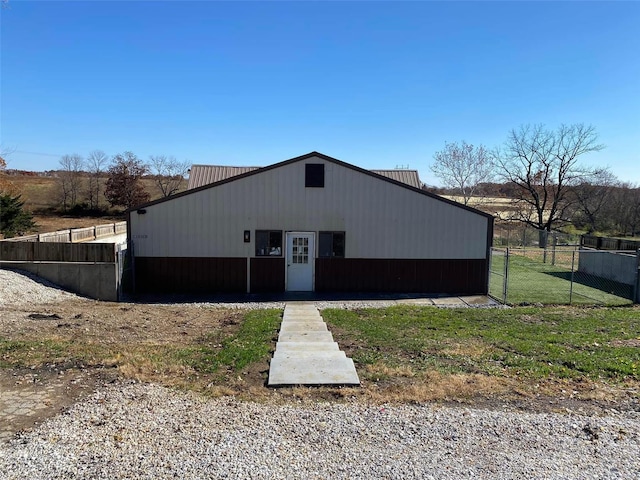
(376, 84)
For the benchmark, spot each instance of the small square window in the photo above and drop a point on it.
(331, 244)
(314, 175)
(268, 243)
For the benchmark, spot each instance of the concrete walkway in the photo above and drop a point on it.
(121, 238)
(306, 353)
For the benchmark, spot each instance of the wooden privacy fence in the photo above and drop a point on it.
(57, 252)
(608, 243)
(74, 235)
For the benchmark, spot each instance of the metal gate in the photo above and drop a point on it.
(122, 268)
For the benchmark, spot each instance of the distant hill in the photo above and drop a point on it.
(39, 190)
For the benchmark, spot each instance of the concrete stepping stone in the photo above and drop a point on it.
(310, 355)
(303, 327)
(305, 337)
(302, 318)
(328, 371)
(308, 346)
(306, 353)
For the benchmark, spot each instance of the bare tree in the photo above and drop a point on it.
(96, 163)
(463, 167)
(70, 179)
(124, 186)
(6, 186)
(169, 173)
(543, 165)
(4, 153)
(592, 197)
(624, 209)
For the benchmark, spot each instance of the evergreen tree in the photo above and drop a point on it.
(14, 220)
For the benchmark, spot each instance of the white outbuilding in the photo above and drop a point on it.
(311, 223)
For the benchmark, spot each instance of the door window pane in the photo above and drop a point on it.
(300, 250)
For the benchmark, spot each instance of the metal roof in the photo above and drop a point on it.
(201, 175)
(410, 177)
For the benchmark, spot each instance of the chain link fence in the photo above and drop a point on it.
(511, 234)
(564, 275)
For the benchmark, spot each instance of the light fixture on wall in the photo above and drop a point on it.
(247, 236)
(141, 211)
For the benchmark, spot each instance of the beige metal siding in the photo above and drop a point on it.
(382, 220)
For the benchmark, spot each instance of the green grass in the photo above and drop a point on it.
(252, 343)
(532, 280)
(535, 343)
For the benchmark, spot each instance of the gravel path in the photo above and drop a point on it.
(149, 432)
(20, 289)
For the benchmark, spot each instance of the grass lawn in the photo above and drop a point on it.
(531, 280)
(525, 343)
(403, 353)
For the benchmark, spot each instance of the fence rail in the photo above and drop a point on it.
(57, 252)
(608, 243)
(74, 235)
(511, 234)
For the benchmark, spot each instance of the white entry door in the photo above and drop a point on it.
(300, 261)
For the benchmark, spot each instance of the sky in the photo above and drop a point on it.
(375, 84)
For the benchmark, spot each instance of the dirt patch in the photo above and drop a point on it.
(117, 323)
(28, 396)
(631, 342)
(79, 345)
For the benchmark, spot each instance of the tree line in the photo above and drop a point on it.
(538, 168)
(541, 170)
(84, 183)
(14, 219)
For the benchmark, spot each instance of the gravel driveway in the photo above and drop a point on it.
(149, 432)
(133, 430)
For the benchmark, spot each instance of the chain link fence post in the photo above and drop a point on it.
(573, 269)
(636, 287)
(505, 288)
